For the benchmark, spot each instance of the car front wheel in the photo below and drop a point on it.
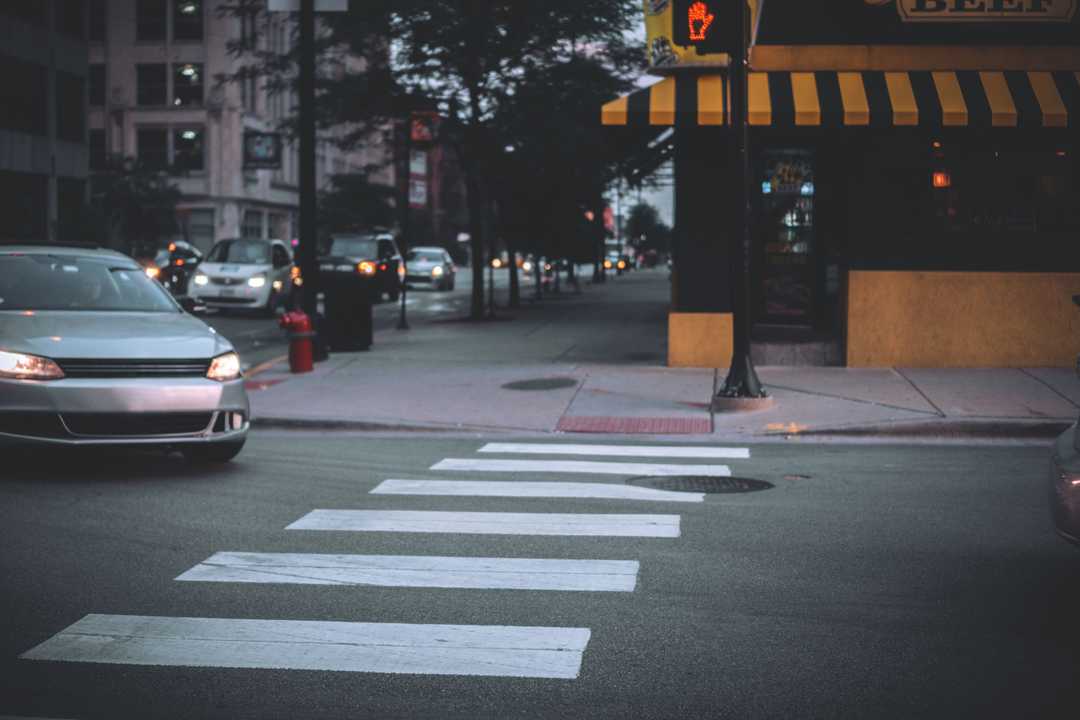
(215, 453)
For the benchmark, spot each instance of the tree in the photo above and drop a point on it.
(645, 230)
(133, 208)
(353, 203)
(466, 58)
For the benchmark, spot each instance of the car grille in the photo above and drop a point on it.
(136, 424)
(227, 281)
(86, 368)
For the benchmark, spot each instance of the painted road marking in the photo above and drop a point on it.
(493, 650)
(660, 451)
(579, 466)
(496, 488)
(418, 571)
(490, 523)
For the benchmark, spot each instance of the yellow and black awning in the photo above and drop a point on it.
(990, 99)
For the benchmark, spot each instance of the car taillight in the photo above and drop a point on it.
(383, 267)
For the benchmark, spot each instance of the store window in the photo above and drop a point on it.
(99, 12)
(99, 156)
(968, 205)
(187, 20)
(188, 84)
(151, 17)
(151, 84)
(70, 114)
(96, 84)
(152, 145)
(24, 200)
(252, 224)
(200, 228)
(24, 101)
(188, 149)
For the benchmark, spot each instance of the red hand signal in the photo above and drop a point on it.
(699, 18)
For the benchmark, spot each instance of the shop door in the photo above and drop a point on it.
(785, 239)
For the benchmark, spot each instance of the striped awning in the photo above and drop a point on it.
(1009, 99)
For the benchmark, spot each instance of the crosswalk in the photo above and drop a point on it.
(522, 651)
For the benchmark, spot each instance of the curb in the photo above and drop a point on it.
(275, 423)
(989, 429)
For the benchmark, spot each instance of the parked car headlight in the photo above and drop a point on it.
(153, 272)
(201, 280)
(526, 266)
(437, 271)
(257, 281)
(224, 367)
(28, 367)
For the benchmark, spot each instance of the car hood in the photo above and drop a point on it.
(111, 335)
(422, 264)
(233, 270)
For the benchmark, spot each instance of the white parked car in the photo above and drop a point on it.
(245, 273)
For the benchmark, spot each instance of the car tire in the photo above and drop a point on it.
(213, 453)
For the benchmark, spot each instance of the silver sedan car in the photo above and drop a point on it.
(93, 352)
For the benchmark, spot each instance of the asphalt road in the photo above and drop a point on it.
(258, 338)
(869, 582)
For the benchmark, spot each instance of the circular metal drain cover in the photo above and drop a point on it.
(701, 484)
(555, 383)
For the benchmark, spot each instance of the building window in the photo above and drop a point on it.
(188, 149)
(34, 12)
(71, 18)
(150, 20)
(99, 12)
(23, 98)
(151, 84)
(153, 147)
(70, 107)
(96, 85)
(188, 84)
(187, 20)
(252, 225)
(200, 228)
(24, 203)
(99, 154)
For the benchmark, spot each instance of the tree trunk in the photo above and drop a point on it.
(515, 290)
(476, 237)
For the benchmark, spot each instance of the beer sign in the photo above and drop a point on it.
(934, 11)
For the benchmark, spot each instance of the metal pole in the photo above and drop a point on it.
(742, 380)
(403, 323)
(308, 221)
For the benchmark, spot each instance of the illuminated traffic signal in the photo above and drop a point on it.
(705, 25)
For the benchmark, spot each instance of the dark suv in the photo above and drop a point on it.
(368, 256)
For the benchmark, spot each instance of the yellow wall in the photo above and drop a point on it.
(700, 340)
(946, 319)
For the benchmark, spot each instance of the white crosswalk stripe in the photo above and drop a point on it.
(490, 523)
(580, 466)
(497, 488)
(491, 650)
(417, 571)
(657, 451)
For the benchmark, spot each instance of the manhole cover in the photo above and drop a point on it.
(701, 484)
(555, 383)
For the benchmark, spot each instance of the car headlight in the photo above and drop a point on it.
(153, 272)
(526, 266)
(201, 280)
(28, 367)
(437, 271)
(401, 271)
(224, 367)
(257, 281)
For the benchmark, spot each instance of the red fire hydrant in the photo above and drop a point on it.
(300, 338)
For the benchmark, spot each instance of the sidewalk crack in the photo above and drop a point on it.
(918, 389)
(1052, 389)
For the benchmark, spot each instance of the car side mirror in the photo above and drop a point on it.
(191, 305)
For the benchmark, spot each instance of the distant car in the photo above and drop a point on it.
(93, 352)
(373, 256)
(1065, 479)
(247, 273)
(430, 266)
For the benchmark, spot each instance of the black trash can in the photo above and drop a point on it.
(348, 326)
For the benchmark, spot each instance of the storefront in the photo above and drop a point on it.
(916, 194)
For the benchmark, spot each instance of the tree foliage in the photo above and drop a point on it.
(133, 208)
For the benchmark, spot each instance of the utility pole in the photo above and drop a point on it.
(742, 380)
(308, 223)
(403, 322)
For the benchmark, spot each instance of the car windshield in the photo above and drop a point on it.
(63, 282)
(240, 252)
(424, 256)
(354, 247)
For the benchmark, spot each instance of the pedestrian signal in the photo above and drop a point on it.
(706, 25)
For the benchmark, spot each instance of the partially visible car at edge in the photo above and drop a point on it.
(93, 352)
(250, 273)
(1065, 478)
(374, 257)
(430, 266)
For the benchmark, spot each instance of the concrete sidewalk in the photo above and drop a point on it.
(592, 363)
